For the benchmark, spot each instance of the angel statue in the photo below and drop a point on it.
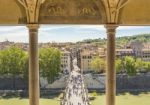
(75, 66)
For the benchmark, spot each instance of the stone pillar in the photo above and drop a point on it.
(34, 91)
(110, 72)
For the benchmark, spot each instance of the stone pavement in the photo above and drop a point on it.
(75, 92)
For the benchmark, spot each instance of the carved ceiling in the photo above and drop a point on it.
(123, 12)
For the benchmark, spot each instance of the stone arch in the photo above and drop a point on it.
(14, 15)
(136, 12)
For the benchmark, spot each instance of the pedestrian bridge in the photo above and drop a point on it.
(76, 92)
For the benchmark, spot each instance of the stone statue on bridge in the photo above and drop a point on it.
(75, 66)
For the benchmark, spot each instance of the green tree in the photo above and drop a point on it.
(25, 66)
(130, 66)
(98, 64)
(12, 62)
(139, 64)
(3, 62)
(147, 66)
(50, 63)
(118, 65)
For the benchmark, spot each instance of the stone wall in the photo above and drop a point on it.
(8, 83)
(140, 81)
(124, 82)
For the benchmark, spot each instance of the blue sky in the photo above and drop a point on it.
(67, 33)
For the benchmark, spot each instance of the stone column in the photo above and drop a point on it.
(110, 72)
(34, 91)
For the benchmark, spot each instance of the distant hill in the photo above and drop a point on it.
(120, 41)
(144, 38)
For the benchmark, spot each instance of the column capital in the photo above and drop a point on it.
(33, 26)
(111, 28)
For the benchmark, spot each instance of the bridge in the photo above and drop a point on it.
(75, 93)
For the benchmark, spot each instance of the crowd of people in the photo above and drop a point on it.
(75, 92)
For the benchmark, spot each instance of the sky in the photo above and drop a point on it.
(67, 33)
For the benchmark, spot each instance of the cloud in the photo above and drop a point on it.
(65, 33)
(14, 33)
(131, 27)
(53, 27)
(75, 27)
(11, 28)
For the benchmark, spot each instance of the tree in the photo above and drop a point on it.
(139, 64)
(50, 63)
(1, 69)
(25, 68)
(12, 62)
(118, 65)
(3, 62)
(98, 64)
(130, 66)
(146, 66)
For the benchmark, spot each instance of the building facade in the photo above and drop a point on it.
(65, 61)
